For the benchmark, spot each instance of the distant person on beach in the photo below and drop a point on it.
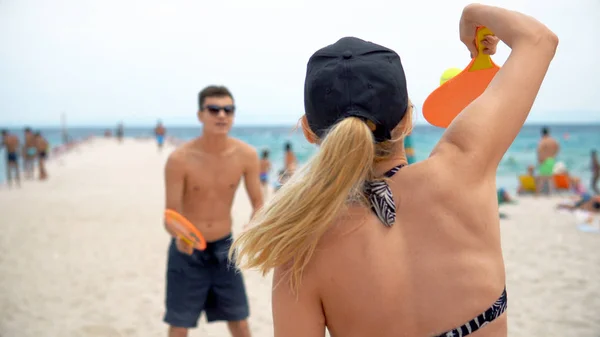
(201, 178)
(282, 178)
(547, 151)
(159, 132)
(290, 160)
(120, 132)
(364, 245)
(42, 148)
(11, 143)
(265, 168)
(29, 153)
(65, 137)
(107, 133)
(595, 164)
(586, 202)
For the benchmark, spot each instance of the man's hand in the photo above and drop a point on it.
(183, 247)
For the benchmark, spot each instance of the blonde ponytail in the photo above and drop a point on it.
(288, 228)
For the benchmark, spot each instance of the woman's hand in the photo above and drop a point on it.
(468, 34)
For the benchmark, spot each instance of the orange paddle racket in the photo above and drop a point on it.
(449, 99)
(185, 229)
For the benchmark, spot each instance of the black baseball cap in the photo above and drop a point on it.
(355, 78)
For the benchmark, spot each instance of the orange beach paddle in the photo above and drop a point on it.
(448, 100)
(184, 229)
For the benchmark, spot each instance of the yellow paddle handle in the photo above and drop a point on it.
(186, 240)
(482, 61)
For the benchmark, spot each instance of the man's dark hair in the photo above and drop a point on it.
(4, 132)
(545, 131)
(265, 154)
(288, 146)
(212, 91)
(37, 134)
(27, 129)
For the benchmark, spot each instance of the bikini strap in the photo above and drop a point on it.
(381, 199)
(483, 319)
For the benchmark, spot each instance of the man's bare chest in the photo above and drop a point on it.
(208, 174)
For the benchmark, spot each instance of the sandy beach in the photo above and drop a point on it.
(84, 254)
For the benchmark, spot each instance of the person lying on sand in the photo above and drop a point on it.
(360, 243)
(504, 197)
(585, 202)
(201, 178)
(592, 205)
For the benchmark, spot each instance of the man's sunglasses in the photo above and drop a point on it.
(215, 109)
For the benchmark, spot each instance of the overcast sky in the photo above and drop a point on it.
(137, 61)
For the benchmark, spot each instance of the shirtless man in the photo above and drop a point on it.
(290, 158)
(159, 132)
(29, 153)
(41, 145)
(120, 132)
(595, 172)
(11, 142)
(265, 168)
(201, 179)
(547, 150)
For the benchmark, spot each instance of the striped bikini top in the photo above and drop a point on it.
(381, 199)
(382, 203)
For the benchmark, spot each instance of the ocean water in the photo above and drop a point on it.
(576, 143)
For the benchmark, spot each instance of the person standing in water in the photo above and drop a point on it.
(120, 132)
(290, 160)
(29, 153)
(364, 245)
(159, 132)
(547, 151)
(595, 171)
(201, 179)
(42, 148)
(265, 168)
(11, 143)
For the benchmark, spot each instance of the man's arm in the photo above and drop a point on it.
(174, 183)
(296, 314)
(252, 180)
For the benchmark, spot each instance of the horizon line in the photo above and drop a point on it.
(246, 125)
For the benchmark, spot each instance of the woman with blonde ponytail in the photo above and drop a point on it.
(362, 244)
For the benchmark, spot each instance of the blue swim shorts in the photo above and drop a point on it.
(204, 281)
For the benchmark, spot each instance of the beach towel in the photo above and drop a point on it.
(587, 222)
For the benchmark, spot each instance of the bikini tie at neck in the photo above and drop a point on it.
(381, 198)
